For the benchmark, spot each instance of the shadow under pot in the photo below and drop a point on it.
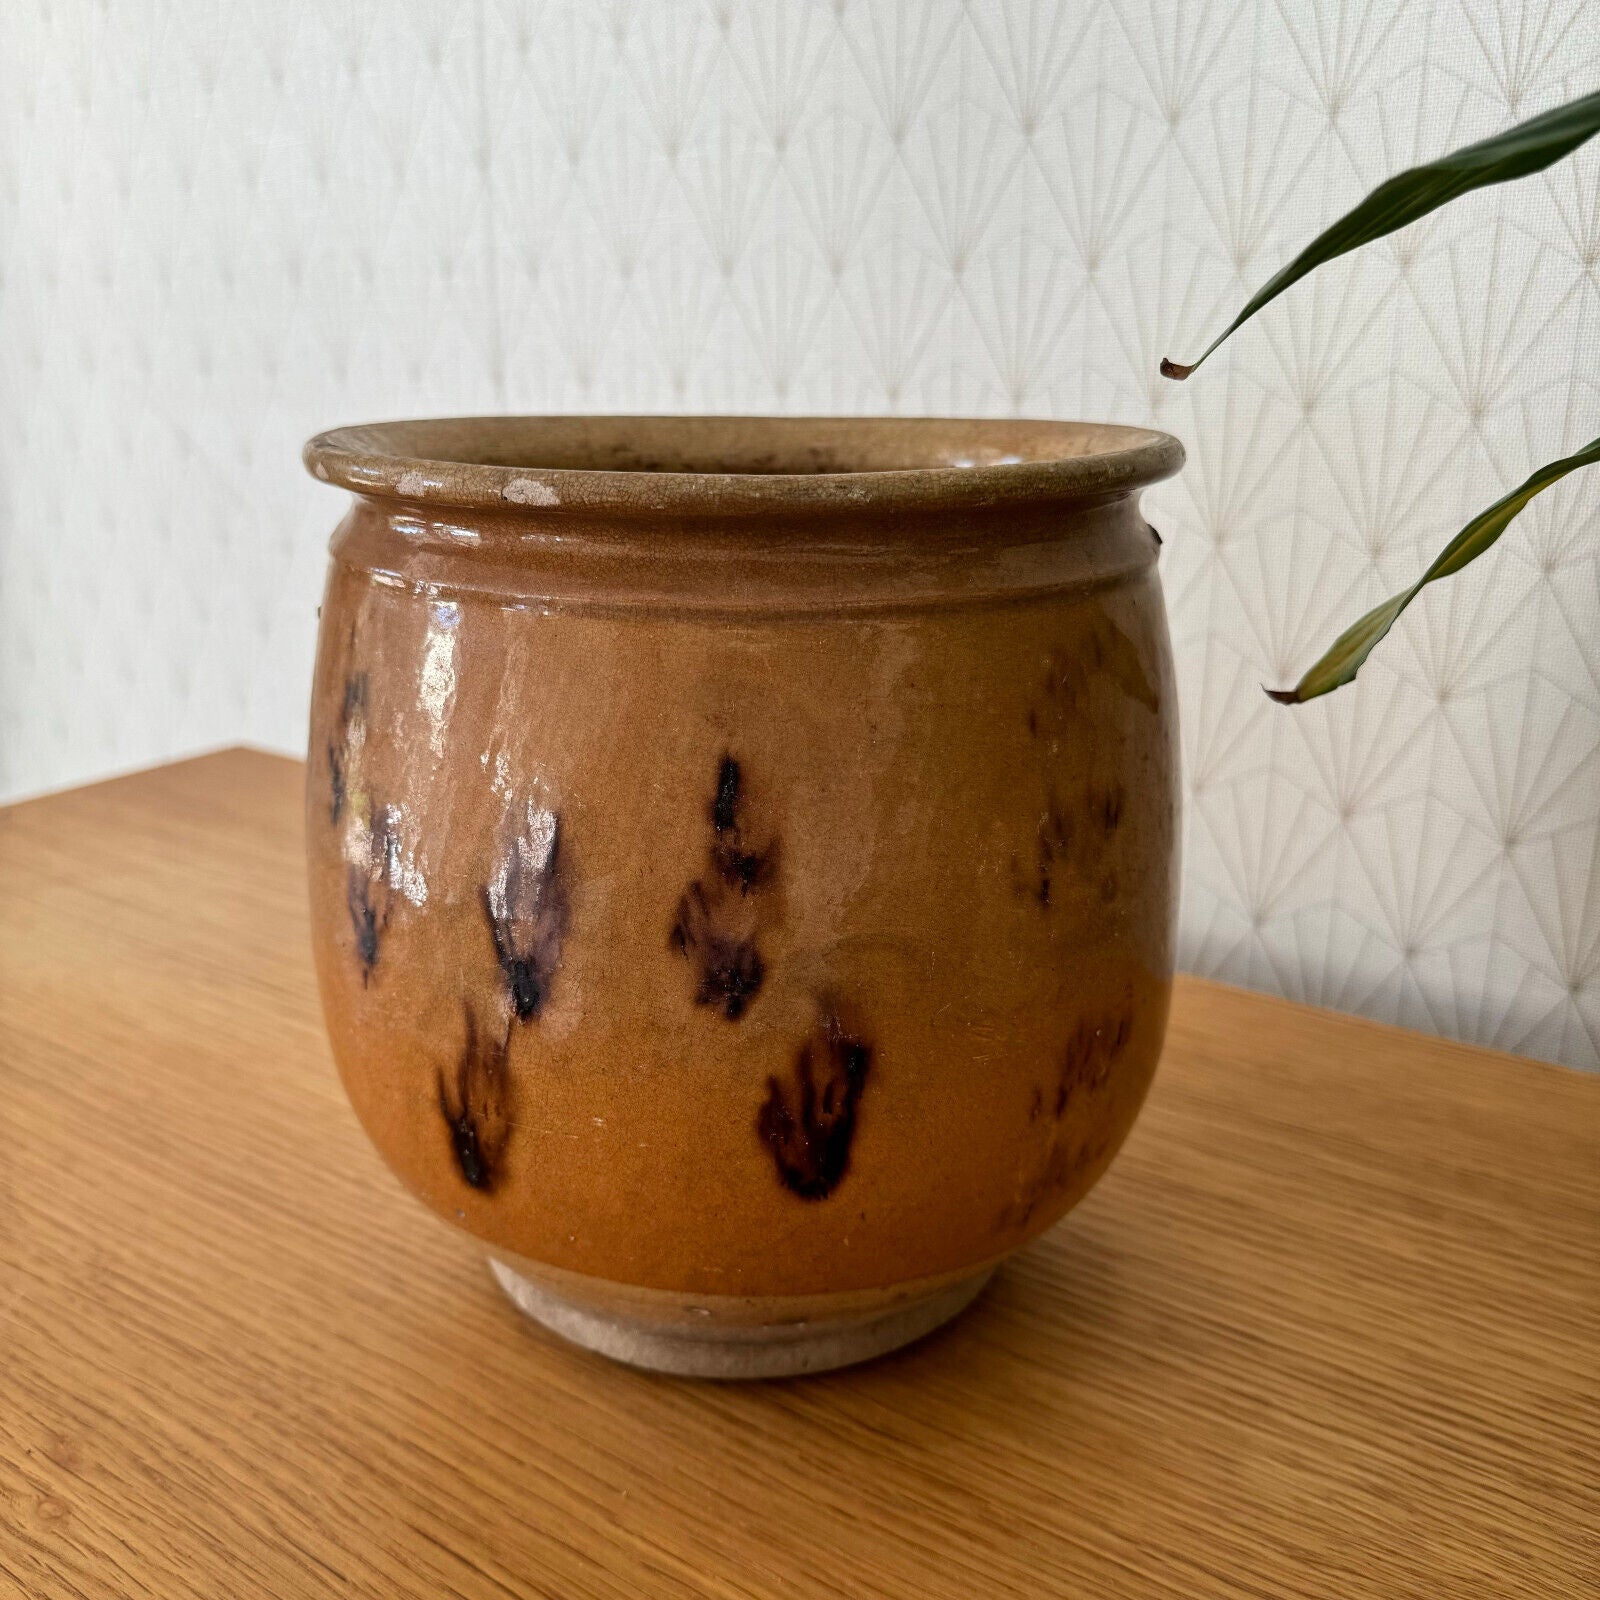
(742, 855)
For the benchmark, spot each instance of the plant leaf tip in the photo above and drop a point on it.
(1284, 697)
(1176, 369)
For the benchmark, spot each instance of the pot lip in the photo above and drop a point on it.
(956, 463)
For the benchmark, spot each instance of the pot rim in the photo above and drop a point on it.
(650, 465)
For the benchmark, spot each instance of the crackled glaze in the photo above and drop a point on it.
(745, 872)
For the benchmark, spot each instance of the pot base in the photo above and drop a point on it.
(714, 1349)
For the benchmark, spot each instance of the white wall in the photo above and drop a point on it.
(223, 226)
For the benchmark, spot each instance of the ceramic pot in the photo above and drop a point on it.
(742, 855)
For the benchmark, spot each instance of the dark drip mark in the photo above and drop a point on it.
(715, 925)
(1055, 839)
(352, 719)
(335, 781)
(810, 1122)
(527, 909)
(521, 974)
(1104, 805)
(1082, 849)
(1096, 1045)
(1092, 1050)
(1105, 654)
(736, 864)
(477, 1106)
(1082, 687)
(368, 896)
(725, 802)
(364, 918)
(731, 968)
(355, 699)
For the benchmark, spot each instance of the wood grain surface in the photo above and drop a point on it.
(1330, 1327)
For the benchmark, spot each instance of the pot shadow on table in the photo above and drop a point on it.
(827, 1475)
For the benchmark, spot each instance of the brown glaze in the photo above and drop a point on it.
(803, 709)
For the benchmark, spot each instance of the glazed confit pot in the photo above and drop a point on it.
(743, 855)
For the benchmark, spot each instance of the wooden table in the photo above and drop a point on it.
(1330, 1327)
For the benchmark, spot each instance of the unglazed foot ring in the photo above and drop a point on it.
(782, 1349)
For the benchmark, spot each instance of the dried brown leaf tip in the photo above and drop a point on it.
(716, 922)
(808, 1121)
(1516, 152)
(476, 1105)
(527, 907)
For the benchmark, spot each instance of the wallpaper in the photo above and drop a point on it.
(224, 226)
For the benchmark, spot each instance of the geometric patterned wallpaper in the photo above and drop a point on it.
(224, 226)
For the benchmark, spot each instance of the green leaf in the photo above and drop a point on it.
(1527, 148)
(1354, 645)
